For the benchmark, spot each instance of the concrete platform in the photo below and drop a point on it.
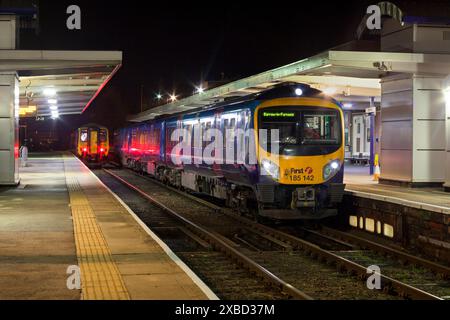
(360, 183)
(417, 218)
(61, 216)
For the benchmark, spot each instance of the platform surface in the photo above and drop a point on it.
(359, 182)
(62, 217)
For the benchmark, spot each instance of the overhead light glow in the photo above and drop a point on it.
(200, 90)
(159, 96)
(173, 97)
(55, 114)
(348, 105)
(52, 101)
(298, 92)
(49, 92)
(329, 91)
(53, 108)
(447, 96)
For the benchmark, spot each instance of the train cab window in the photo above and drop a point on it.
(301, 130)
(320, 128)
(103, 136)
(84, 136)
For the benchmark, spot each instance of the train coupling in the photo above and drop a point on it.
(303, 198)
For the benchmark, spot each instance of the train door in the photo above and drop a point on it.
(94, 142)
(359, 136)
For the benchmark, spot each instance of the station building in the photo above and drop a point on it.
(42, 83)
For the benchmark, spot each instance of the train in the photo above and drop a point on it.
(293, 132)
(91, 144)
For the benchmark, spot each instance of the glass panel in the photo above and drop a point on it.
(320, 128)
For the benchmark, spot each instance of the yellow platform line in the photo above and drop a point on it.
(100, 276)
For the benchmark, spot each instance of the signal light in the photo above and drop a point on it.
(84, 149)
(102, 150)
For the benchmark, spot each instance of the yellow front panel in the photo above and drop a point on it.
(81, 144)
(300, 169)
(94, 142)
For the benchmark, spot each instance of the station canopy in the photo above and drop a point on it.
(352, 76)
(62, 82)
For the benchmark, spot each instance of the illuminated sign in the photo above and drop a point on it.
(279, 114)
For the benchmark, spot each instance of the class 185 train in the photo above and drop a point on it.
(91, 143)
(298, 173)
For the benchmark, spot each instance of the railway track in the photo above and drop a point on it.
(293, 262)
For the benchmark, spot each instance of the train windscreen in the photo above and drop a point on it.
(301, 130)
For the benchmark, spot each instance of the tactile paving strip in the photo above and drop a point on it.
(100, 277)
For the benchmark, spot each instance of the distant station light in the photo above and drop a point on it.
(200, 90)
(159, 96)
(348, 105)
(54, 108)
(49, 92)
(52, 101)
(173, 98)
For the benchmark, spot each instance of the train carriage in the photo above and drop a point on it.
(297, 173)
(91, 143)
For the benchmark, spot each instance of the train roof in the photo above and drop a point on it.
(93, 125)
(282, 90)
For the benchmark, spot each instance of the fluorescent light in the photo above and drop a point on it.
(49, 92)
(447, 96)
(54, 108)
(329, 91)
(55, 114)
(52, 101)
(348, 105)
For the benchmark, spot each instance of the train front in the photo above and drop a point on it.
(300, 154)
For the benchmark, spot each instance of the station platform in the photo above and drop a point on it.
(416, 218)
(61, 222)
(359, 182)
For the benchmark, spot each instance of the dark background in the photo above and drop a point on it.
(171, 46)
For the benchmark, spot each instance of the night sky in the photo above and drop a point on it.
(169, 46)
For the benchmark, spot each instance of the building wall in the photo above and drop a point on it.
(413, 129)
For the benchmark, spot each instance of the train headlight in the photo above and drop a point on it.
(270, 168)
(331, 169)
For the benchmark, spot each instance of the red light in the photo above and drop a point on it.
(102, 150)
(84, 149)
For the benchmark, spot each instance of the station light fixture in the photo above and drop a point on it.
(329, 90)
(49, 92)
(55, 114)
(200, 90)
(52, 101)
(447, 96)
(54, 108)
(348, 105)
(173, 98)
(159, 96)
